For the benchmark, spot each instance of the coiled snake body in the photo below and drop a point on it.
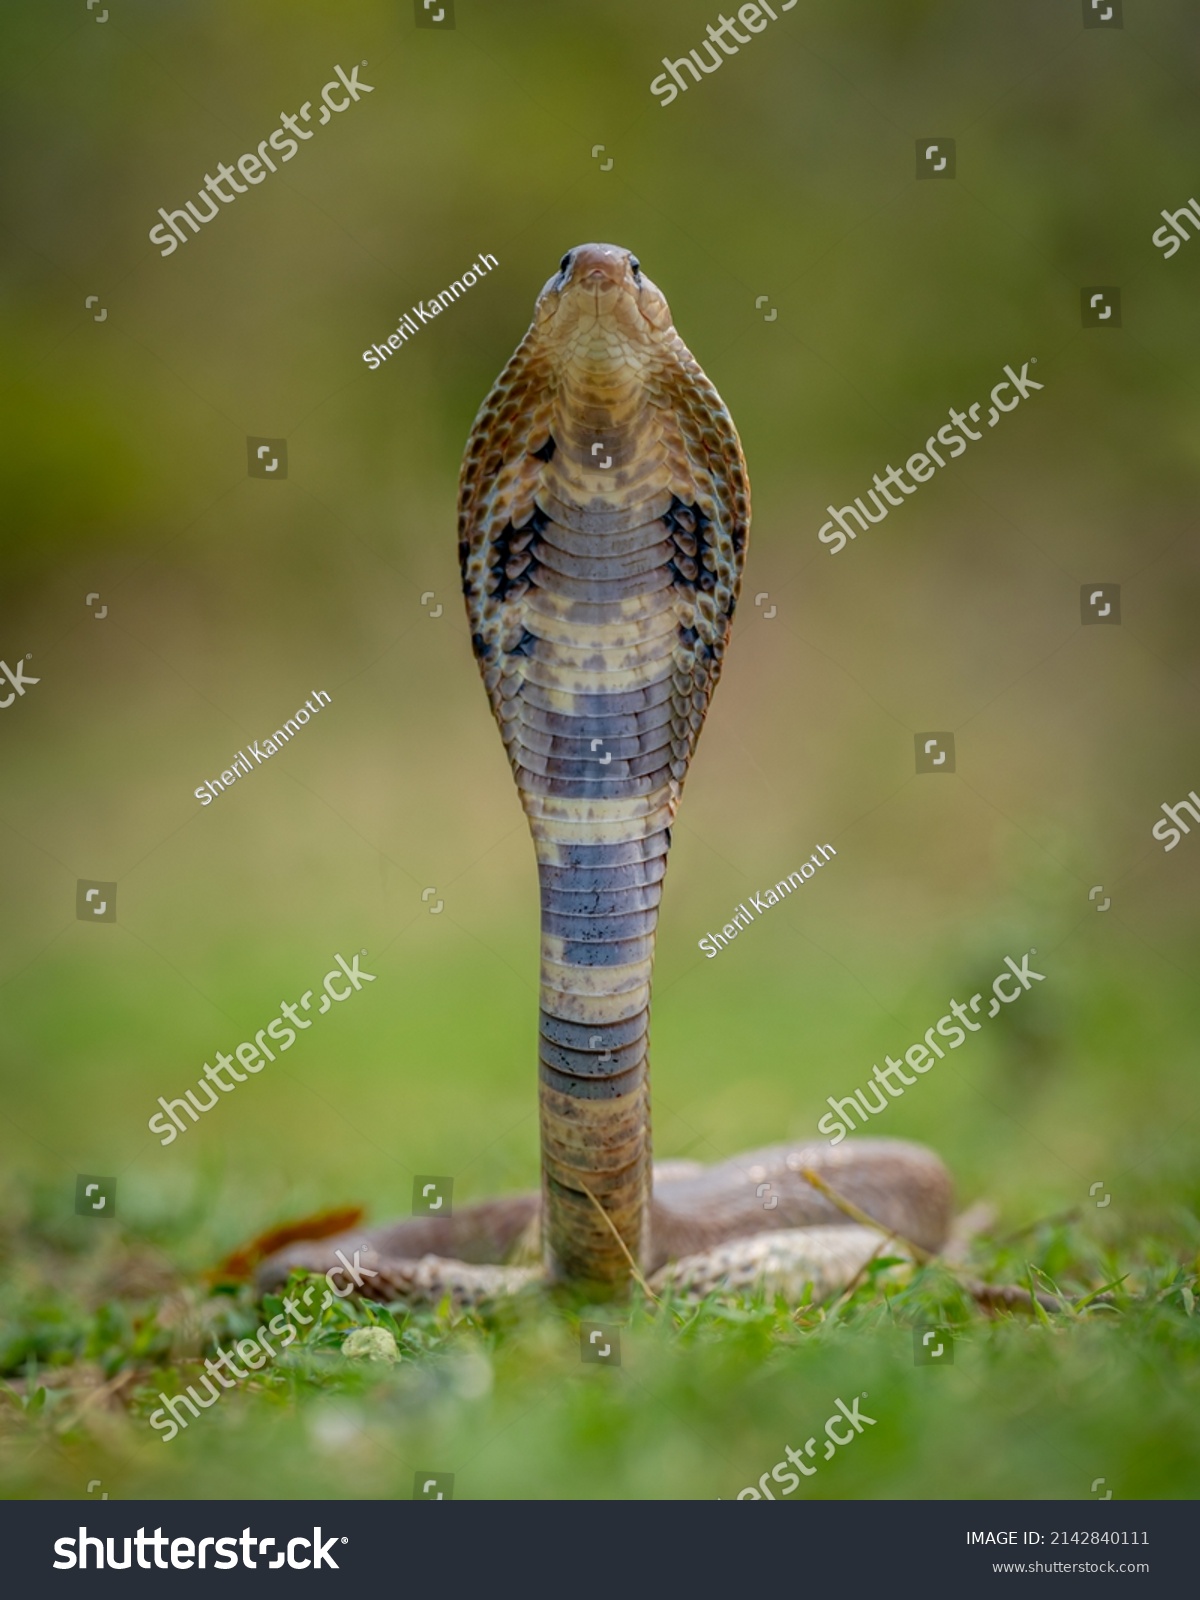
(603, 514)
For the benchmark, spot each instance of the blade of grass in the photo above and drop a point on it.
(856, 1214)
(633, 1266)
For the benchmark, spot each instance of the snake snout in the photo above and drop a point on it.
(600, 264)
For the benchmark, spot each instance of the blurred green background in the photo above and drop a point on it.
(788, 173)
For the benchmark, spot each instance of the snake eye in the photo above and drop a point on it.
(565, 262)
(637, 267)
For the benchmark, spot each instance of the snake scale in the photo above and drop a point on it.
(604, 509)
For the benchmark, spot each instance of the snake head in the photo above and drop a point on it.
(598, 290)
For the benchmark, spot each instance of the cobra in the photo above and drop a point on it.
(604, 509)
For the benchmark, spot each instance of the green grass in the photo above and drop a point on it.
(707, 1397)
(1094, 1080)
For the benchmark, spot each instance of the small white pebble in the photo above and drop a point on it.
(371, 1344)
